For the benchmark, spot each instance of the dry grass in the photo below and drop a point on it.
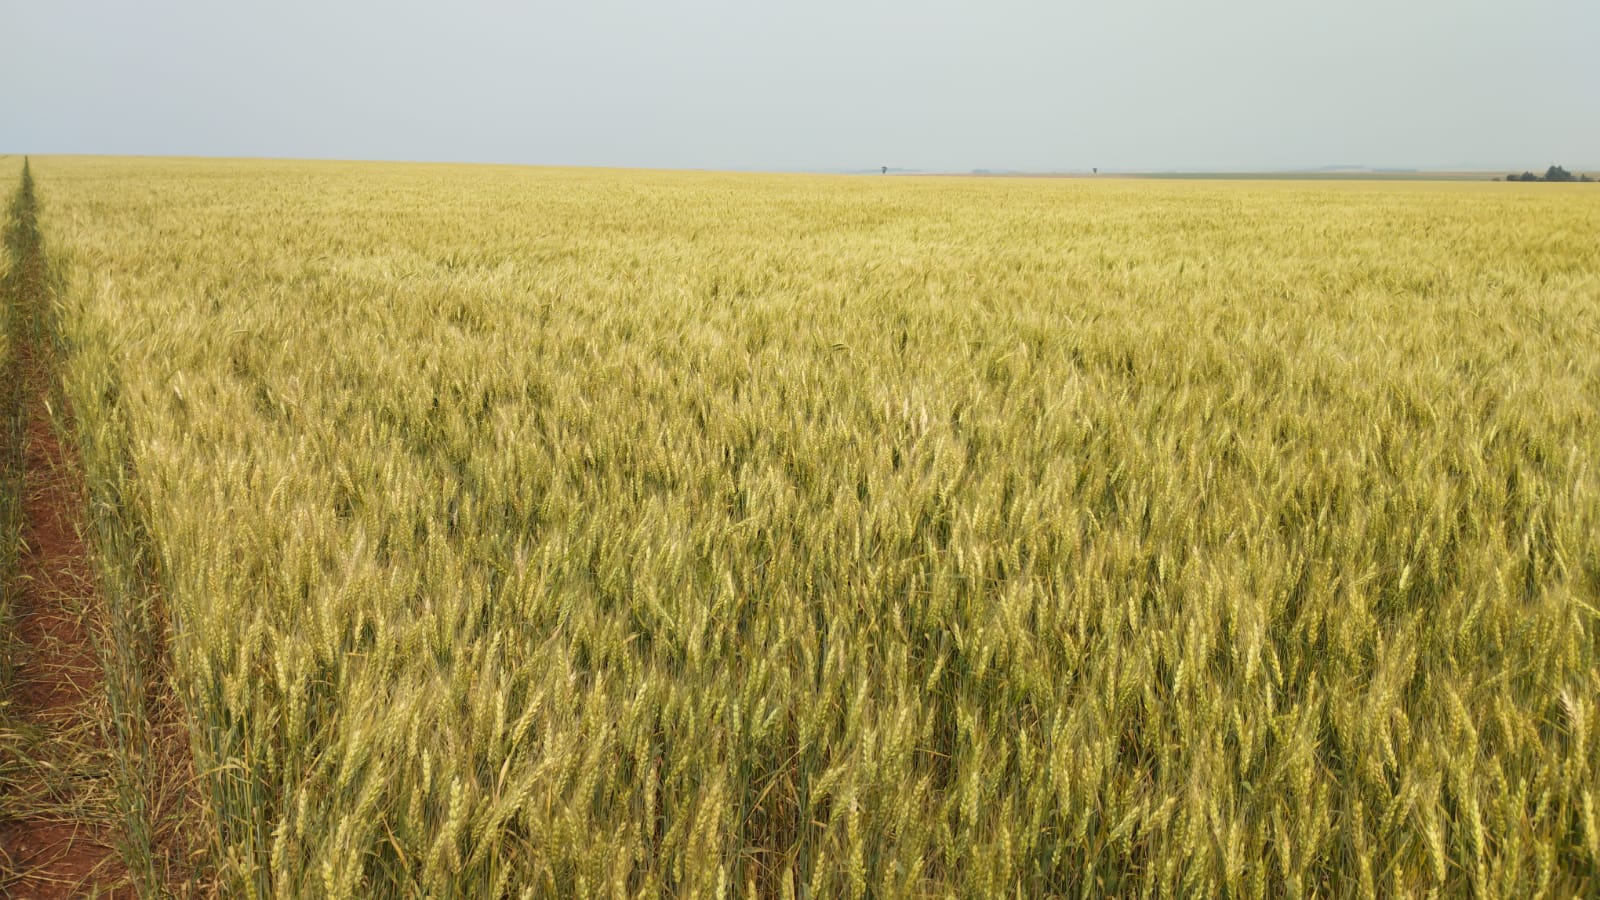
(541, 532)
(57, 809)
(10, 441)
(15, 760)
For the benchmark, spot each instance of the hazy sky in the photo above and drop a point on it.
(821, 84)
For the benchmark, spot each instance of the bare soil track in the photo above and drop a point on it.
(55, 846)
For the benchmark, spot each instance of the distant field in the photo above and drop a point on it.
(538, 532)
(1315, 175)
(1336, 175)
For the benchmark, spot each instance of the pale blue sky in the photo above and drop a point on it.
(822, 84)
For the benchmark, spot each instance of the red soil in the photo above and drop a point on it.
(59, 681)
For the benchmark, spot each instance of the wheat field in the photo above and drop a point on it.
(536, 532)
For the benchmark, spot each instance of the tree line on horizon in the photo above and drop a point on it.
(1554, 173)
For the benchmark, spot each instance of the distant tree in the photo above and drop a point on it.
(1585, 178)
(1554, 173)
(885, 170)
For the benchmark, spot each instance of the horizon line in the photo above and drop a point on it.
(997, 171)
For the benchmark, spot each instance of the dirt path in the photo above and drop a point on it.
(56, 836)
